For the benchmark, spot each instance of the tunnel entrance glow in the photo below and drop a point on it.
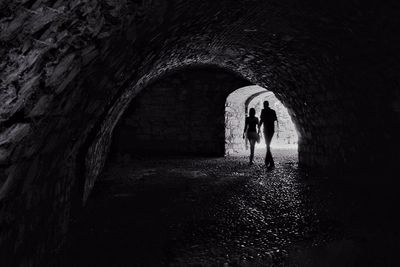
(237, 106)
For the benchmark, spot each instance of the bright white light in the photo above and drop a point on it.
(235, 114)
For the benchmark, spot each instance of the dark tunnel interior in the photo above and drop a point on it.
(113, 133)
(182, 114)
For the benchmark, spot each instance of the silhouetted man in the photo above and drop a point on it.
(268, 118)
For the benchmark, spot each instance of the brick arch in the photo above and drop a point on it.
(252, 97)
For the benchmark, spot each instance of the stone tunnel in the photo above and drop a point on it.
(73, 71)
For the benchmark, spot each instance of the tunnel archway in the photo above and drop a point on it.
(70, 68)
(236, 110)
(180, 114)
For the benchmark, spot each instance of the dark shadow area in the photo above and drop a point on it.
(216, 211)
(180, 114)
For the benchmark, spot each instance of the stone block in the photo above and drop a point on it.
(41, 106)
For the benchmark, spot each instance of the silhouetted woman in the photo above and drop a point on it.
(250, 127)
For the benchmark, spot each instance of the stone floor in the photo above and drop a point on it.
(224, 212)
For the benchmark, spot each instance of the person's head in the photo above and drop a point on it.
(252, 112)
(266, 104)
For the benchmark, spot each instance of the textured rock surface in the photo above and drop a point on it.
(69, 69)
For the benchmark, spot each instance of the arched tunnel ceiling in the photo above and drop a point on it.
(244, 93)
(69, 69)
(286, 44)
(248, 101)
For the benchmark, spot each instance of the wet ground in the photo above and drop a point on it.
(224, 212)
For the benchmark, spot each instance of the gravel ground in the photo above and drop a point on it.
(224, 212)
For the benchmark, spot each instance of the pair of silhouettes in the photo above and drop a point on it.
(252, 130)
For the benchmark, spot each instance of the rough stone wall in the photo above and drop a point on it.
(182, 114)
(69, 69)
(234, 125)
(62, 62)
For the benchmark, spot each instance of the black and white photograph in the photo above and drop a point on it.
(199, 133)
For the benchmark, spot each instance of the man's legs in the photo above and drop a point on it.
(269, 161)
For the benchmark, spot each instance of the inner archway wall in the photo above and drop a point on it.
(181, 114)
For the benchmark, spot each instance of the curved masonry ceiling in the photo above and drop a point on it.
(254, 96)
(245, 93)
(69, 70)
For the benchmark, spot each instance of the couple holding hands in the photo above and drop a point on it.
(252, 131)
